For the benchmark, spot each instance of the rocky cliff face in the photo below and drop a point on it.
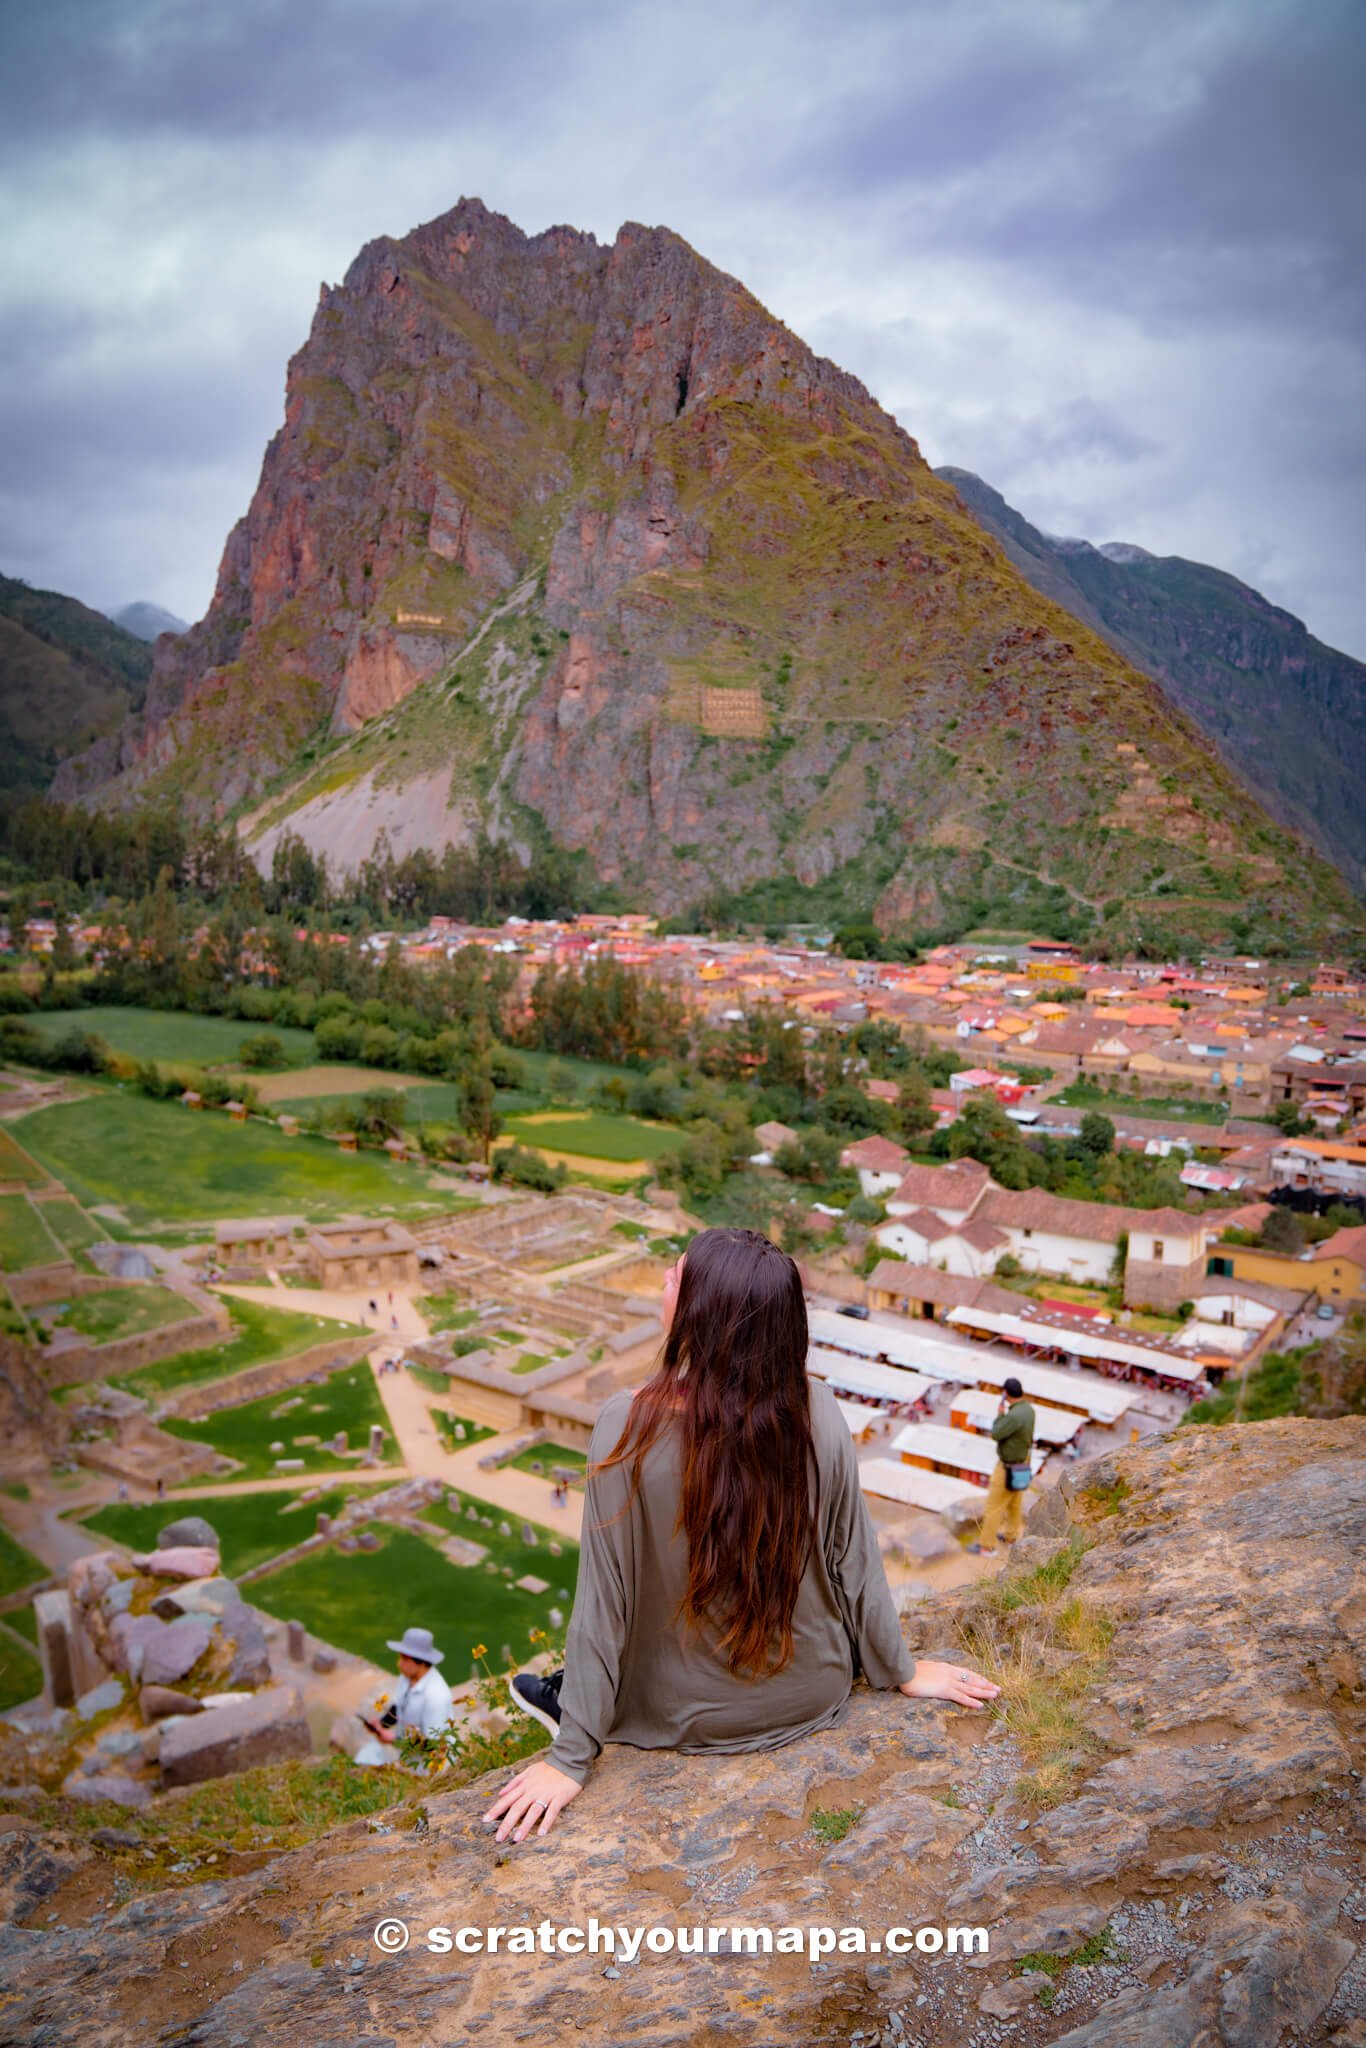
(1160, 1834)
(1286, 712)
(577, 540)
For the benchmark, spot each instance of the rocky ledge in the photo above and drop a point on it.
(1160, 1834)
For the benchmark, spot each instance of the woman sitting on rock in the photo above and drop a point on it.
(730, 1585)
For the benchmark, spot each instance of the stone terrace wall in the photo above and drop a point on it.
(127, 1354)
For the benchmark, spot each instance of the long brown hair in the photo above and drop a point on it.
(733, 1377)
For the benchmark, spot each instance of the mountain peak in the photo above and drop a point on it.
(578, 542)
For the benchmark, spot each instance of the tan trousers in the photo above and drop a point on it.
(1001, 1502)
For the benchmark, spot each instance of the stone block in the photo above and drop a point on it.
(155, 1702)
(52, 1612)
(270, 1727)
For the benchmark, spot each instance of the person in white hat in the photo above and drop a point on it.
(421, 1705)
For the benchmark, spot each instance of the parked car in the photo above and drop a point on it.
(1326, 1313)
(851, 1308)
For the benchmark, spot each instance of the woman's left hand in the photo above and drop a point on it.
(937, 1681)
(538, 1793)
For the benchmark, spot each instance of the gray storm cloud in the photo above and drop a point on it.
(1110, 257)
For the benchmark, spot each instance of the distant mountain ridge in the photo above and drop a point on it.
(146, 621)
(68, 678)
(1287, 712)
(574, 543)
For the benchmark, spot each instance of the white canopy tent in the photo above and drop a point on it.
(897, 1343)
(980, 1408)
(959, 1447)
(860, 1416)
(1102, 1400)
(864, 1376)
(1079, 1341)
(913, 1486)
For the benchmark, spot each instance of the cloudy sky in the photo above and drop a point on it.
(1107, 254)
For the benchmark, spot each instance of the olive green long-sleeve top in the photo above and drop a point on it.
(1014, 1433)
(631, 1675)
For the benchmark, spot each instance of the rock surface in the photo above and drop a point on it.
(1207, 1853)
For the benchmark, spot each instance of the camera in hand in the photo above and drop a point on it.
(388, 1718)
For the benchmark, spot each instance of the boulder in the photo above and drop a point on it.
(249, 1665)
(157, 1652)
(1003, 2001)
(99, 1699)
(155, 1702)
(926, 1539)
(187, 1562)
(111, 1785)
(191, 1530)
(267, 1728)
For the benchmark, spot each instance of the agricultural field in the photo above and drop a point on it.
(16, 1164)
(251, 1527)
(348, 1399)
(70, 1225)
(114, 1312)
(157, 1164)
(24, 1239)
(1167, 1108)
(595, 1134)
(173, 1036)
(260, 1332)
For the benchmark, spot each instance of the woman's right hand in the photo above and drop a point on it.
(937, 1681)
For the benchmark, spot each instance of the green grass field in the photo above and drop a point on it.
(431, 1102)
(18, 1567)
(547, 1455)
(362, 1600)
(445, 1312)
(70, 1225)
(1163, 1108)
(124, 1312)
(24, 1241)
(160, 1163)
(15, 1163)
(259, 1332)
(25, 1620)
(594, 1134)
(475, 1432)
(21, 1675)
(171, 1035)
(251, 1526)
(347, 1400)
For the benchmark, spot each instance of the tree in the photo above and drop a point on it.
(264, 1050)
(381, 1112)
(984, 1132)
(913, 1111)
(478, 1096)
(1281, 1232)
(1097, 1135)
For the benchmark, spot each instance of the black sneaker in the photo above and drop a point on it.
(539, 1697)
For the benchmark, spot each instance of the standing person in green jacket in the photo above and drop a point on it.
(1013, 1430)
(730, 1585)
